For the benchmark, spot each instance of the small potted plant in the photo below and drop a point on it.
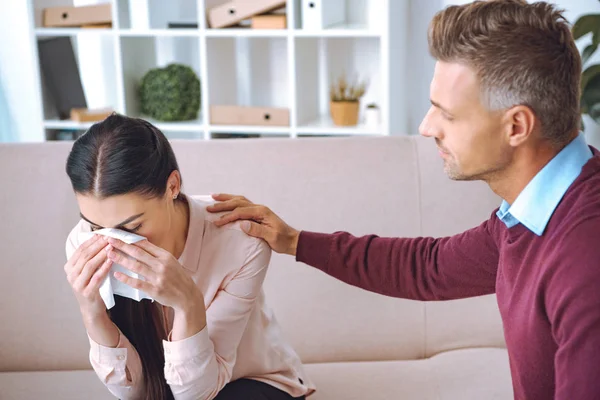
(372, 118)
(345, 100)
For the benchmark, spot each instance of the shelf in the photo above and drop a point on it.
(159, 32)
(66, 124)
(178, 126)
(141, 54)
(247, 32)
(342, 30)
(53, 32)
(325, 126)
(249, 129)
(252, 72)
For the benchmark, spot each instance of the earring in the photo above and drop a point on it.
(175, 196)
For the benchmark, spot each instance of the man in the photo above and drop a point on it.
(505, 110)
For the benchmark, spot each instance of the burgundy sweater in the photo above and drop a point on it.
(548, 287)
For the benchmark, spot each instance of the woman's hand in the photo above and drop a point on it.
(166, 281)
(86, 270)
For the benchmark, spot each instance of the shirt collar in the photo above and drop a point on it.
(536, 203)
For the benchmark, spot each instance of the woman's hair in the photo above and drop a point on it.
(123, 155)
(523, 54)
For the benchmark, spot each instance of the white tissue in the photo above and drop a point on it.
(111, 286)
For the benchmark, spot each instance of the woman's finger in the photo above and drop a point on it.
(89, 268)
(152, 249)
(134, 265)
(135, 283)
(86, 254)
(98, 277)
(135, 252)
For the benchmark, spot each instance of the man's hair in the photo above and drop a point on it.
(523, 54)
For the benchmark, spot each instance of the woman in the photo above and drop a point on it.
(208, 334)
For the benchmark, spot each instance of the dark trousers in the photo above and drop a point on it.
(248, 389)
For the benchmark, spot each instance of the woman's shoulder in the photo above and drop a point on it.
(232, 233)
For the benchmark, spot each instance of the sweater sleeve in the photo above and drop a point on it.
(572, 301)
(423, 268)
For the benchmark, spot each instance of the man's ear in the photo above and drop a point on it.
(520, 123)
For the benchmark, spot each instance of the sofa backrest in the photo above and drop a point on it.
(392, 186)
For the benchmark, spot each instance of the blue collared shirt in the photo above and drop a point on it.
(536, 203)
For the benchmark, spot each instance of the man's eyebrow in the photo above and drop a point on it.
(128, 220)
(438, 105)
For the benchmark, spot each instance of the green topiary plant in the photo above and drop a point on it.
(171, 93)
(590, 78)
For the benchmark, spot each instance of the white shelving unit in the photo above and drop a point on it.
(289, 68)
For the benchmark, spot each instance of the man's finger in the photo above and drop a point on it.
(228, 205)
(251, 213)
(223, 196)
(254, 229)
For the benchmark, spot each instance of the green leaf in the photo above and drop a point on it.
(591, 97)
(589, 73)
(587, 24)
(587, 52)
(595, 113)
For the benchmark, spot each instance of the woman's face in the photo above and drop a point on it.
(151, 218)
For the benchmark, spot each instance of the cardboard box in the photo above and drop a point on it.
(243, 115)
(77, 16)
(87, 115)
(235, 11)
(269, 21)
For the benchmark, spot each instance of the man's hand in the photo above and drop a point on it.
(260, 222)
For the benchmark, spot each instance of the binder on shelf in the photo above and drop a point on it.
(322, 14)
(244, 115)
(235, 11)
(61, 75)
(77, 16)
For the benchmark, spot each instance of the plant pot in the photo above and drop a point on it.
(344, 113)
(372, 117)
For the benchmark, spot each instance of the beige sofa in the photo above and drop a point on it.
(357, 345)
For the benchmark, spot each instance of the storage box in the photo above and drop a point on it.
(87, 115)
(269, 21)
(77, 16)
(321, 14)
(235, 11)
(243, 115)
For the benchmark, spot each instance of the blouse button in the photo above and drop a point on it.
(121, 358)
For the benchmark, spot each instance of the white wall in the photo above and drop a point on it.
(17, 69)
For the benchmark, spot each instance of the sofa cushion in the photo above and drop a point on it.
(471, 374)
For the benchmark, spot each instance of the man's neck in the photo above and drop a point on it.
(527, 162)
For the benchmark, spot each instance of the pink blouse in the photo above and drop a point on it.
(242, 338)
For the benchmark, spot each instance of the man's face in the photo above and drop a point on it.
(470, 138)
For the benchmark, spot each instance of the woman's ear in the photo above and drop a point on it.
(174, 184)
